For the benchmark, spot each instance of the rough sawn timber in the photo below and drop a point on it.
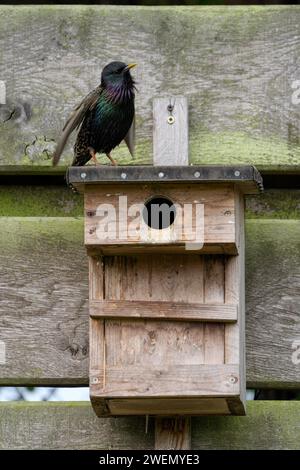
(75, 426)
(239, 77)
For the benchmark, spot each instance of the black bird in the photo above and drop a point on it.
(105, 117)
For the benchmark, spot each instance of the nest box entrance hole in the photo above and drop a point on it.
(159, 212)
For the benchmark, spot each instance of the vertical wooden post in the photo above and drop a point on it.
(173, 433)
(170, 131)
(170, 148)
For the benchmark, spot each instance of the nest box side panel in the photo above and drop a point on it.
(235, 293)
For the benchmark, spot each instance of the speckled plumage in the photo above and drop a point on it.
(105, 117)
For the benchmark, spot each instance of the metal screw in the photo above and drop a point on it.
(237, 173)
(161, 174)
(94, 380)
(197, 174)
(232, 379)
(83, 176)
(123, 176)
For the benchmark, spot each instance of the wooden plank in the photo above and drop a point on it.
(235, 340)
(170, 144)
(272, 303)
(68, 425)
(167, 342)
(170, 131)
(44, 301)
(53, 200)
(163, 310)
(173, 380)
(204, 213)
(214, 293)
(156, 248)
(50, 295)
(25, 200)
(168, 406)
(242, 99)
(173, 433)
(97, 353)
(25, 425)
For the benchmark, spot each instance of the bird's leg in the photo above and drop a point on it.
(93, 155)
(113, 161)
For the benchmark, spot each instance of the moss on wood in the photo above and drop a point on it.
(71, 425)
(227, 61)
(60, 201)
(45, 201)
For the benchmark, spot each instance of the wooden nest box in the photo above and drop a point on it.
(166, 296)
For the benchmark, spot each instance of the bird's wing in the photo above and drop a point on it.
(75, 120)
(130, 138)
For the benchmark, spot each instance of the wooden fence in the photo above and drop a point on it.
(239, 68)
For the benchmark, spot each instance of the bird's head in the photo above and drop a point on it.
(117, 74)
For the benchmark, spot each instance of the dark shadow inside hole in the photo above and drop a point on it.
(159, 212)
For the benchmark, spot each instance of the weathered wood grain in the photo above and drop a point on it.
(171, 145)
(173, 433)
(213, 292)
(71, 425)
(237, 75)
(168, 380)
(215, 226)
(170, 131)
(162, 310)
(58, 201)
(75, 426)
(272, 303)
(39, 200)
(170, 407)
(44, 301)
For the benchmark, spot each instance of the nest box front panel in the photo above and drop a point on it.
(138, 363)
(115, 222)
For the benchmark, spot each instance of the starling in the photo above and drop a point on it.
(104, 117)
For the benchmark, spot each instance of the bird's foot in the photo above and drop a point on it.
(93, 155)
(113, 161)
(96, 161)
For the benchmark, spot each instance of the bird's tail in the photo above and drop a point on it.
(59, 150)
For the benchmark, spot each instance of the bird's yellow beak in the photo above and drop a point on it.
(130, 66)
